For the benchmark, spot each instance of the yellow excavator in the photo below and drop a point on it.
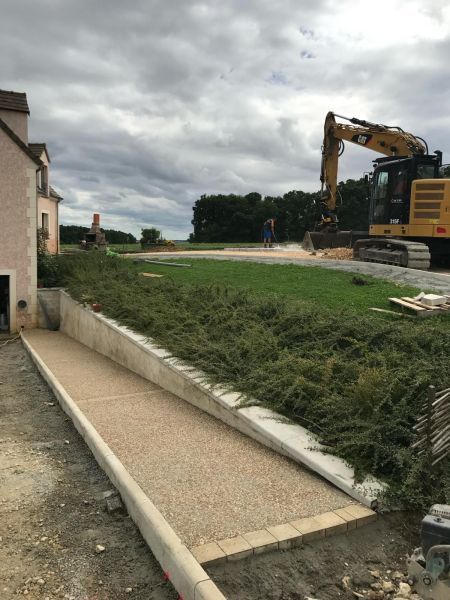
(409, 212)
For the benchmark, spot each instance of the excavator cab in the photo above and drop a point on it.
(390, 197)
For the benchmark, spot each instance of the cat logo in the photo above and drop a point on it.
(362, 139)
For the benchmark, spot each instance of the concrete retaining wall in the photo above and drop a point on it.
(48, 308)
(139, 355)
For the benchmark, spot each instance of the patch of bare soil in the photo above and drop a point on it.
(52, 506)
(345, 566)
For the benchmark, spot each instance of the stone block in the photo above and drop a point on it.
(310, 528)
(362, 514)
(261, 541)
(286, 535)
(209, 554)
(350, 520)
(326, 524)
(236, 548)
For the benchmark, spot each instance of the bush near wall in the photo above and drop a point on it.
(357, 381)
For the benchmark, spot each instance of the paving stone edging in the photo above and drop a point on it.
(284, 536)
(180, 566)
(140, 355)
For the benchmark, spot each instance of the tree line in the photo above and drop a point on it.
(73, 234)
(234, 218)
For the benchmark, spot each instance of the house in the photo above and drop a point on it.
(48, 199)
(27, 202)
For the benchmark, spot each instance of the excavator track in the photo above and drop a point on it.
(388, 251)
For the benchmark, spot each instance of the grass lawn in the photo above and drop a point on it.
(334, 290)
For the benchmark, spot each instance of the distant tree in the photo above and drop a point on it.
(445, 171)
(73, 234)
(232, 218)
(150, 235)
(353, 205)
(119, 237)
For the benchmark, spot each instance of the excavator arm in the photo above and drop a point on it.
(390, 141)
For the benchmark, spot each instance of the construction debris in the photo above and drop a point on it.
(424, 305)
(336, 253)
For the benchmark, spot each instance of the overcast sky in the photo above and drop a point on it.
(146, 105)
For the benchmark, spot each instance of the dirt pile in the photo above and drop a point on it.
(336, 253)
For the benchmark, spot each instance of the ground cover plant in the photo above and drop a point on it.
(355, 378)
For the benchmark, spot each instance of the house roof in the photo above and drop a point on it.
(14, 101)
(16, 139)
(38, 148)
(54, 194)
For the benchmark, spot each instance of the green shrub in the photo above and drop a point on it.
(356, 380)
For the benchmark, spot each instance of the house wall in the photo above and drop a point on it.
(17, 121)
(18, 252)
(50, 206)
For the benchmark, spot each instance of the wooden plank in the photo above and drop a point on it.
(409, 305)
(391, 312)
(418, 303)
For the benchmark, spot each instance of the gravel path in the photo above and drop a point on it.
(52, 507)
(209, 481)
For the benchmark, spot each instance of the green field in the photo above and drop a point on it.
(315, 286)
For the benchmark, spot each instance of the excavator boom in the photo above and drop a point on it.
(384, 139)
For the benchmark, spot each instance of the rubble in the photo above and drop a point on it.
(336, 253)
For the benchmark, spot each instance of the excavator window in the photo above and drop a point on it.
(391, 188)
(425, 171)
(391, 193)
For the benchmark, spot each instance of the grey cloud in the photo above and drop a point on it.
(146, 105)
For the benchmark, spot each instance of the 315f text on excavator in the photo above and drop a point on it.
(409, 210)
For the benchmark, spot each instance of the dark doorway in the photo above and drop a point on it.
(4, 303)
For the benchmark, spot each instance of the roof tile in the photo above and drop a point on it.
(14, 101)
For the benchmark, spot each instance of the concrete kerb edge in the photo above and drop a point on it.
(261, 424)
(185, 573)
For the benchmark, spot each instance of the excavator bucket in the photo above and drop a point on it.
(318, 240)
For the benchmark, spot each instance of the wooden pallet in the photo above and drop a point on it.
(419, 308)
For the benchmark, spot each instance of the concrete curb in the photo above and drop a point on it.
(138, 354)
(182, 569)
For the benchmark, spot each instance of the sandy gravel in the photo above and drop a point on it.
(52, 507)
(208, 480)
